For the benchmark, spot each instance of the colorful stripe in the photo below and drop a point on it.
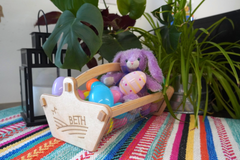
(161, 137)
(22, 142)
(231, 137)
(176, 144)
(121, 142)
(129, 141)
(203, 140)
(140, 75)
(9, 122)
(226, 145)
(142, 142)
(170, 142)
(183, 143)
(216, 138)
(11, 127)
(41, 150)
(27, 144)
(197, 143)
(68, 150)
(145, 142)
(162, 141)
(136, 140)
(210, 145)
(21, 135)
(233, 125)
(190, 138)
(10, 118)
(10, 112)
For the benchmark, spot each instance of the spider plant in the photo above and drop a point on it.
(179, 51)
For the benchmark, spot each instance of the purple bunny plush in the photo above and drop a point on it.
(133, 60)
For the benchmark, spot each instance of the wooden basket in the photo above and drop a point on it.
(83, 123)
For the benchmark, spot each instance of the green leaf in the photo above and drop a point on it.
(135, 8)
(72, 5)
(167, 13)
(230, 62)
(113, 44)
(123, 6)
(69, 28)
(170, 37)
(229, 91)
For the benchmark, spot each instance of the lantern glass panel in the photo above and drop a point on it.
(23, 89)
(43, 79)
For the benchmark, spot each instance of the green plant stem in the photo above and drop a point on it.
(105, 4)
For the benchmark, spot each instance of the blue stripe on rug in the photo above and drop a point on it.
(121, 142)
(125, 130)
(16, 152)
(234, 127)
(10, 111)
(64, 152)
(210, 145)
(11, 122)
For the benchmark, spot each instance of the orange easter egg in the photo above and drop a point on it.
(90, 82)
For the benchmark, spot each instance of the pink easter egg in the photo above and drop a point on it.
(116, 95)
(132, 82)
(81, 94)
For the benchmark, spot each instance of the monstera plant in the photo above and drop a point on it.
(86, 30)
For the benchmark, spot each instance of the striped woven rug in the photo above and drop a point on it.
(158, 137)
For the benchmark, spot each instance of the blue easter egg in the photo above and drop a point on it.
(121, 115)
(96, 84)
(101, 94)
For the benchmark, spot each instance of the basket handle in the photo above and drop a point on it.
(96, 71)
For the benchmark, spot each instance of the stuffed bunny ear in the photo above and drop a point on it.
(153, 66)
(117, 57)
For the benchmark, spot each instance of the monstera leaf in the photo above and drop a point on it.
(69, 29)
(72, 5)
(115, 43)
(135, 8)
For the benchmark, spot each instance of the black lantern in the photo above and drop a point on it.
(37, 74)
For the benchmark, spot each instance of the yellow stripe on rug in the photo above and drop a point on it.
(190, 140)
(24, 140)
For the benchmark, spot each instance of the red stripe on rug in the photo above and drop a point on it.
(41, 150)
(142, 142)
(176, 143)
(224, 139)
(11, 133)
(12, 127)
(10, 118)
(203, 140)
(131, 147)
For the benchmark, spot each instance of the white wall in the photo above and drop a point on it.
(17, 24)
(213, 7)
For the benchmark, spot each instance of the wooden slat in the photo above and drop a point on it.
(96, 71)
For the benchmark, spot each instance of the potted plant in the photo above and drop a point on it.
(88, 31)
(179, 51)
